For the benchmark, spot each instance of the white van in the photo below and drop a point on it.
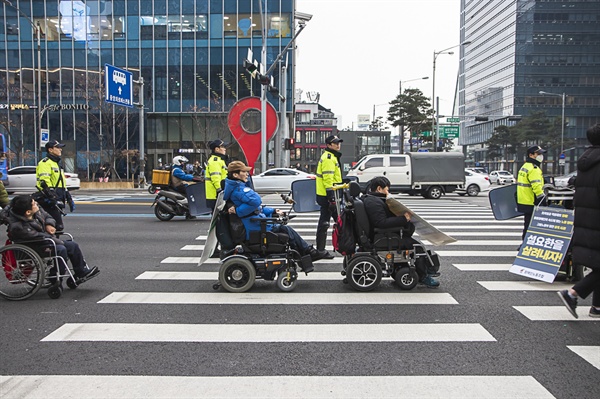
(430, 174)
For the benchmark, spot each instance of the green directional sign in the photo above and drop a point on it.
(449, 132)
(422, 134)
(453, 120)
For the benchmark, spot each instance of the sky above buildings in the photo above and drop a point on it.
(354, 53)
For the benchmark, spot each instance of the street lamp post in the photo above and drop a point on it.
(562, 127)
(434, 131)
(401, 120)
(36, 29)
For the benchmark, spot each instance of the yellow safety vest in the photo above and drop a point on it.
(216, 170)
(328, 173)
(49, 171)
(530, 183)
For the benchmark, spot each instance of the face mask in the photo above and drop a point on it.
(540, 158)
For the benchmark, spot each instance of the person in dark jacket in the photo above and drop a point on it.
(381, 217)
(248, 205)
(28, 222)
(586, 229)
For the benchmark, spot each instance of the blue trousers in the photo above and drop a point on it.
(296, 242)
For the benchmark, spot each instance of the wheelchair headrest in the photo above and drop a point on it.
(354, 189)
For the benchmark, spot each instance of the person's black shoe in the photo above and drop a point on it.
(316, 254)
(90, 273)
(570, 303)
(189, 217)
(328, 255)
(216, 254)
(594, 312)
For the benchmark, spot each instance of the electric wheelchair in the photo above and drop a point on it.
(389, 253)
(266, 255)
(32, 265)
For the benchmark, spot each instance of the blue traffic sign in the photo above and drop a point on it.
(119, 86)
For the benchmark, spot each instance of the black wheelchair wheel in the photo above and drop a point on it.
(287, 280)
(363, 273)
(71, 283)
(237, 275)
(24, 272)
(406, 278)
(55, 291)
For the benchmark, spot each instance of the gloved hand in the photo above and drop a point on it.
(51, 194)
(540, 201)
(70, 201)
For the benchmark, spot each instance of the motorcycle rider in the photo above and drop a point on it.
(52, 183)
(248, 205)
(216, 171)
(179, 177)
(328, 174)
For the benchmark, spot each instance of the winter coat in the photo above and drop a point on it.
(586, 234)
(247, 205)
(3, 196)
(21, 229)
(179, 177)
(380, 215)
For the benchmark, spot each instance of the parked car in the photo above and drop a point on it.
(502, 177)
(474, 184)
(481, 171)
(563, 181)
(278, 180)
(21, 179)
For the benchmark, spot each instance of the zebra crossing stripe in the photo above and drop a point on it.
(289, 298)
(326, 387)
(227, 333)
(481, 254)
(523, 285)
(213, 276)
(471, 267)
(552, 313)
(590, 354)
(195, 259)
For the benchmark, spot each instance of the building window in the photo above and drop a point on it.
(296, 154)
(298, 136)
(310, 136)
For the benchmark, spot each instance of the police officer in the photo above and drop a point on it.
(216, 170)
(52, 183)
(328, 174)
(530, 183)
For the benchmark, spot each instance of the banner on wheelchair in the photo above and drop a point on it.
(545, 245)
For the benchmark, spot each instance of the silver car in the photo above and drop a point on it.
(502, 177)
(278, 180)
(21, 179)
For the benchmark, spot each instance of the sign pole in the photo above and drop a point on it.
(140, 105)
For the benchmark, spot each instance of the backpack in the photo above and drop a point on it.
(230, 229)
(344, 237)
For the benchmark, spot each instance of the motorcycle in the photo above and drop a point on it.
(169, 204)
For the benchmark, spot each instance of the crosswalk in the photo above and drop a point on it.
(485, 248)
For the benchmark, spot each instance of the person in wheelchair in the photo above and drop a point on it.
(248, 205)
(380, 215)
(28, 222)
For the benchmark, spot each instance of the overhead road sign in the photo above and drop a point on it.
(119, 86)
(453, 120)
(449, 132)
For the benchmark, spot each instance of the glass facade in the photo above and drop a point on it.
(521, 47)
(190, 54)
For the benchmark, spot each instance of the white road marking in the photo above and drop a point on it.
(482, 254)
(590, 354)
(153, 332)
(213, 276)
(523, 285)
(289, 298)
(470, 267)
(293, 387)
(552, 313)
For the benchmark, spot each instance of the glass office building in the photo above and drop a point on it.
(190, 54)
(519, 48)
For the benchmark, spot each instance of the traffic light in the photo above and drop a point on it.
(289, 144)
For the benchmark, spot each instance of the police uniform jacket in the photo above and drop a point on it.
(530, 183)
(49, 170)
(328, 172)
(586, 235)
(216, 170)
(248, 205)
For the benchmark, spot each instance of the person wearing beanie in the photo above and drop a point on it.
(586, 228)
(530, 183)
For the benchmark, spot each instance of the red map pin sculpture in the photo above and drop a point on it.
(244, 123)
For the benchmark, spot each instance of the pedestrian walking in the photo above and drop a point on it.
(586, 228)
(530, 183)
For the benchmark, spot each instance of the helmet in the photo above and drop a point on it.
(180, 160)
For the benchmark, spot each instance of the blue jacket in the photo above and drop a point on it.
(247, 204)
(179, 176)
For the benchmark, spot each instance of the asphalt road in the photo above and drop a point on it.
(463, 339)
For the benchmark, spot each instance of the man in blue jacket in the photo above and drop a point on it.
(248, 205)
